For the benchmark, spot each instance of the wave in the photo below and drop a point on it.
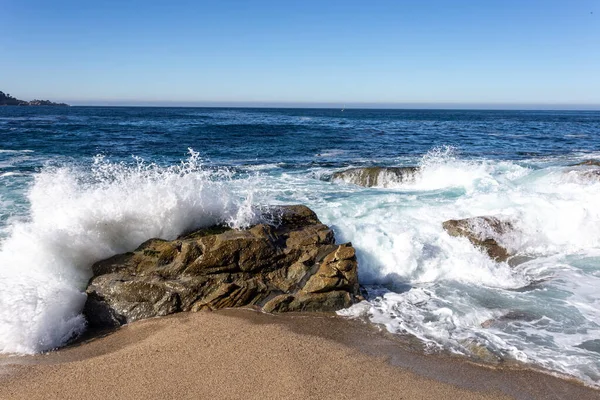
(262, 167)
(440, 168)
(420, 280)
(15, 151)
(79, 216)
(9, 174)
(449, 293)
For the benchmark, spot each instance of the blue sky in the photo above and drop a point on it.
(428, 52)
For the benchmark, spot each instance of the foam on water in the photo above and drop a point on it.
(81, 215)
(420, 280)
(15, 151)
(450, 294)
(8, 174)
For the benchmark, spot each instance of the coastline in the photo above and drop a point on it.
(241, 353)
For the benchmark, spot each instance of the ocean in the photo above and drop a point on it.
(79, 184)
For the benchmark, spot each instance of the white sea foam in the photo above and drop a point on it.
(78, 217)
(330, 153)
(261, 167)
(442, 289)
(421, 280)
(452, 295)
(15, 151)
(9, 174)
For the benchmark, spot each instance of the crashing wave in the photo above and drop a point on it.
(377, 176)
(81, 216)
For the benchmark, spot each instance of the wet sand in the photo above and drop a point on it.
(242, 354)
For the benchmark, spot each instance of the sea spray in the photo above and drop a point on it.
(515, 165)
(450, 294)
(82, 215)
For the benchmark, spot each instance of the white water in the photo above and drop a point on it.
(442, 289)
(421, 280)
(78, 217)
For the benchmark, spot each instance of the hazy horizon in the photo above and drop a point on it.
(385, 54)
(351, 106)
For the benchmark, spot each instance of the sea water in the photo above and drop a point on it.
(79, 184)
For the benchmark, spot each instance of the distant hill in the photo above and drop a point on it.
(8, 100)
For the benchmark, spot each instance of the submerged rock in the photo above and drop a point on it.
(376, 176)
(483, 232)
(590, 345)
(594, 163)
(289, 264)
(588, 170)
(515, 316)
(479, 351)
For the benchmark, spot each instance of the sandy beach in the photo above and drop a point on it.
(300, 200)
(235, 354)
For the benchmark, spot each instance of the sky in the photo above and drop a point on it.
(429, 53)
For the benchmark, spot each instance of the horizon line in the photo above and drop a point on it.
(336, 105)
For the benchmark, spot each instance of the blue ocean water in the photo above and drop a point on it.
(79, 184)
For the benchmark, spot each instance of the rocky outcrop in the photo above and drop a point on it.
(589, 170)
(483, 233)
(376, 176)
(289, 264)
(8, 100)
(593, 163)
(590, 345)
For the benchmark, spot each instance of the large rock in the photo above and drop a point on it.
(376, 176)
(483, 232)
(289, 264)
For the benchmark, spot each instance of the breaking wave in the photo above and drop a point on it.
(450, 294)
(79, 215)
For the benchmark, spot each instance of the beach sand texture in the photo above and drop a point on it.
(242, 354)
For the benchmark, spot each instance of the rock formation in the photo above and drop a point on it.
(8, 100)
(593, 163)
(589, 170)
(483, 233)
(376, 176)
(290, 264)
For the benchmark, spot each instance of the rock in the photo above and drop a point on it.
(535, 284)
(290, 263)
(588, 170)
(515, 316)
(594, 163)
(479, 351)
(8, 100)
(376, 176)
(482, 232)
(590, 345)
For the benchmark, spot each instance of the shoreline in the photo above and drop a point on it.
(289, 356)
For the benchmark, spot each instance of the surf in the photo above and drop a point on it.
(80, 215)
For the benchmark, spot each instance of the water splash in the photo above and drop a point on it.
(82, 215)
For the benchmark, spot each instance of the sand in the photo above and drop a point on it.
(242, 354)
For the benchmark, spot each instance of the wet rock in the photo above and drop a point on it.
(482, 232)
(594, 163)
(535, 284)
(588, 170)
(590, 345)
(519, 315)
(376, 176)
(289, 264)
(479, 351)
(509, 317)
